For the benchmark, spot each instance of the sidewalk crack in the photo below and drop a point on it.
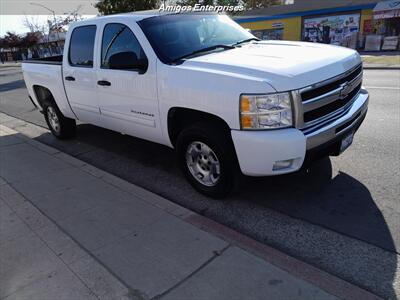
(216, 253)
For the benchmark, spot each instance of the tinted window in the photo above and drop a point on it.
(81, 47)
(119, 39)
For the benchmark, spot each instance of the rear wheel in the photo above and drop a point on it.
(206, 157)
(60, 126)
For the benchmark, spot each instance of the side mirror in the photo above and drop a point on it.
(127, 61)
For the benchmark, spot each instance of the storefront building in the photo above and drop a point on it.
(382, 31)
(365, 25)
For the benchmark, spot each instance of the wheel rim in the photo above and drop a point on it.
(203, 163)
(53, 119)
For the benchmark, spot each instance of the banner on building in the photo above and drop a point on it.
(387, 10)
(338, 30)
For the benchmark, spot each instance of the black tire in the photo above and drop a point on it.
(220, 142)
(66, 127)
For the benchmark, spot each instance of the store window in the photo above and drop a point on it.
(269, 34)
(382, 32)
(340, 30)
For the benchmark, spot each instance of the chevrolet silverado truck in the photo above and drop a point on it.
(229, 103)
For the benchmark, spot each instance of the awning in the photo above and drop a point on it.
(387, 9)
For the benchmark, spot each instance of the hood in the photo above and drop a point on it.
(284, 65)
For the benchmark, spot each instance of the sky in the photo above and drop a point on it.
(12, 12)
(15, 23)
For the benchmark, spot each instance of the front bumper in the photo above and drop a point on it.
(258, 151)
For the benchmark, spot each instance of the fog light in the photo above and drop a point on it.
(282, 164)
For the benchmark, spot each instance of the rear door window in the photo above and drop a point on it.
(82, 46)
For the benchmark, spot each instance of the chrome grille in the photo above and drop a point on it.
(327, 100)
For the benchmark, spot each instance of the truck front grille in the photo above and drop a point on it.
(331, 107)
(324, 101)
(313, 93)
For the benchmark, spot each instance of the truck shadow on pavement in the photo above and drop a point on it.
(14, 85)
(312, 199)
(342, 204)
(339, 202)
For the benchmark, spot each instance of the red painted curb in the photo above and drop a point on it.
(330, 283)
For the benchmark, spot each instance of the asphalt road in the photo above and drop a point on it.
(342, 215)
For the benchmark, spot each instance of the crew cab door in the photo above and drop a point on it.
(79, 73)
(126, 83)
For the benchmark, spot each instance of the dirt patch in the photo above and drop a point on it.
(382, 60)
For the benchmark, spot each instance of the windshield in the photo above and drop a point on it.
(176, 36)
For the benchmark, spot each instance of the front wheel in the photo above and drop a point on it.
(206, 157)
(60, 126)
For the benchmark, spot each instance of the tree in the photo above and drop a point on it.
(108, 7)
(2, 43)
(12, 40)
(55, 24)
(254, 4)
(33, 25)
(30, 39)
(229, 2)
(194, 2)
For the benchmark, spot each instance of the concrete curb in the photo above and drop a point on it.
(380, 68)
(10, 65)
(330, 283)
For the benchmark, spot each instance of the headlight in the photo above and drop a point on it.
(267, 111)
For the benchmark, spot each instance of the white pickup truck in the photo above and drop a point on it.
(226, 101)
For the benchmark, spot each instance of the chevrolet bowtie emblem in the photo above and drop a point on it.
(346, 90)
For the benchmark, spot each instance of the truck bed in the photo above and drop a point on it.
(47, 73)
(52, 60)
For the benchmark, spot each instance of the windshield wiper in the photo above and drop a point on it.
(245, 41)
(207, 49)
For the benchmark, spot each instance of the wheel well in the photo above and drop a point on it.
(180, 118)
(43, 95)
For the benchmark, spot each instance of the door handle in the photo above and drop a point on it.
(104, 83)
(70, 78)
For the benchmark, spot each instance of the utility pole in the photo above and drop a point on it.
(54, 17)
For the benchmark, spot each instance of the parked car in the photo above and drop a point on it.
(226, 101)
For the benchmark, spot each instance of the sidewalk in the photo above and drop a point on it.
(381, 61)
(10, 64)
(71, 231)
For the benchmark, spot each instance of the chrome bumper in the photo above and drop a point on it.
(355, 112)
